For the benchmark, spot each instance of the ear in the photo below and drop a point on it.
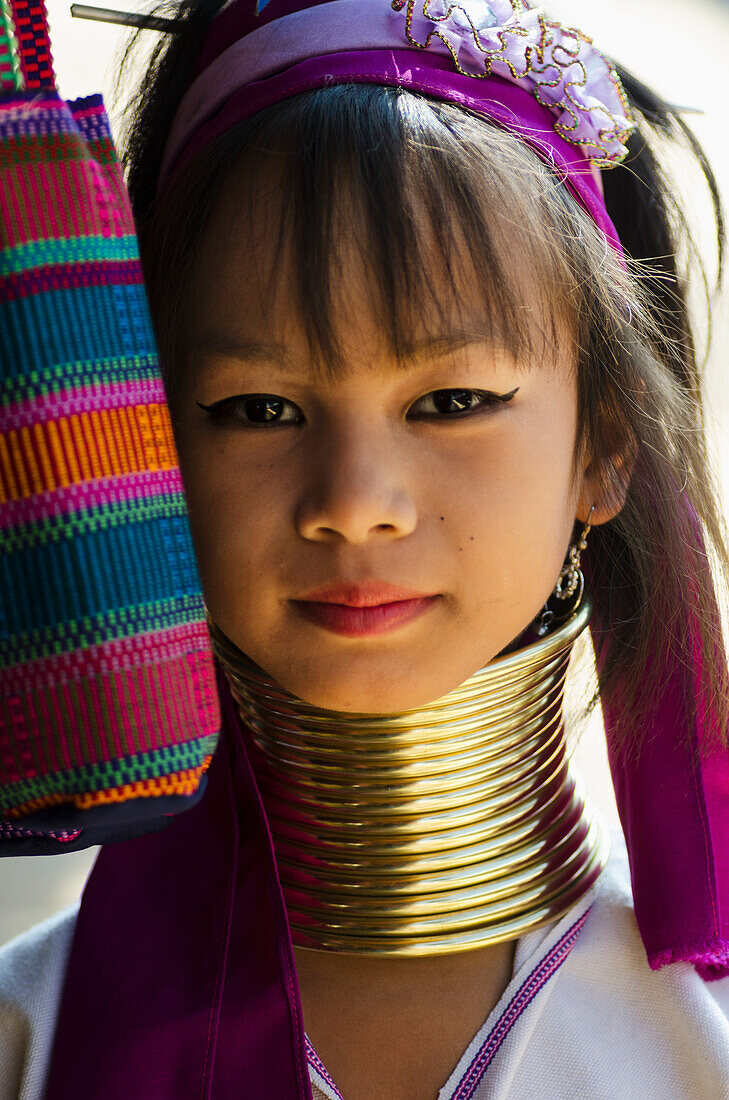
(605, 484)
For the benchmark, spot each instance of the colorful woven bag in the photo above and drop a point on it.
(108, 708)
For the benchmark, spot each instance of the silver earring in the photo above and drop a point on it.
(570, 585)
(570, 577)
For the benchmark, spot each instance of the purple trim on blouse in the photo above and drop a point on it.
(540, 975)
(320, 1069)
(545, 969)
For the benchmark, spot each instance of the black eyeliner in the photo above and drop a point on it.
(217, 408)
(215, 404)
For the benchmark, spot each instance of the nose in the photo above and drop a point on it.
(356, 490)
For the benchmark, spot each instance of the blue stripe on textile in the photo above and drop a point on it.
(89, 574)
(83, 323)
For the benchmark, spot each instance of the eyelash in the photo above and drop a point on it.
(225, 409)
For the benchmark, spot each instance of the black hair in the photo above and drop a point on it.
(638, 376)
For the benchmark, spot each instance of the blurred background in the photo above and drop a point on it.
(677, 47)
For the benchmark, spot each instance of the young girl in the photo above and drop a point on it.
(415, 279)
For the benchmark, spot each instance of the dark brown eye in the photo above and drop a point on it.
(263, 410)
(455, 403)
(255, 410)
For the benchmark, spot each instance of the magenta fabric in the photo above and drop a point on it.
(181, 983)
(673, 801)
(507, 104)
(674, 808)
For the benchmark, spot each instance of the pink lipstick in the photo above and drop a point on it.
(359, 610)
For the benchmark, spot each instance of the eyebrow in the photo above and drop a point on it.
(432, 347)
(247, 351)
(274, 354)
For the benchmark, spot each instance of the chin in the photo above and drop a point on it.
(372, 694)
(366, 702)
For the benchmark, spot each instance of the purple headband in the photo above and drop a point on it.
(546, 84)
(181, 983)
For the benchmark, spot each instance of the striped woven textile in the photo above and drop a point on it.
(108, 707)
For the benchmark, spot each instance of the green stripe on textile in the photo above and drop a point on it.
(108, 776)
(72, 525)
(103, 150)
(11, 77)
(93, 630)
(72, 250)
(25, 151)
(70, 376)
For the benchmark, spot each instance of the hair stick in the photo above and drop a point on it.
(124, 18)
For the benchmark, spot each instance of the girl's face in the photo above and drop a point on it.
(442, 493)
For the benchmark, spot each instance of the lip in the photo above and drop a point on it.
(359, 622)
(367, 594)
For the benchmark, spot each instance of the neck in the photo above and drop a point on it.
(457, 825)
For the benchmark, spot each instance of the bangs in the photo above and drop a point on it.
(452, 219)
(448, 211)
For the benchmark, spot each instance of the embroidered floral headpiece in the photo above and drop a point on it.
(500, 58)
(560, 65)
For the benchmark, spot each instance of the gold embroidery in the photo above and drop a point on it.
(558, 49)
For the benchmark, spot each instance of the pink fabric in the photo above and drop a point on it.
(673, 801)
(259, 68)
(104, 658)
(181, 983)
(80, 399)
(570, 79)
(149, 484)
(507, 104)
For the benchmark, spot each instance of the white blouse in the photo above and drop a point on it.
(583, 1017)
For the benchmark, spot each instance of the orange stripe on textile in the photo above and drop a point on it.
(47, 477)
(58, 460)
(84, 447)
(30, 460)
(18, 466)
(181, 783)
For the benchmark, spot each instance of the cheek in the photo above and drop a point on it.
(513, 513)
(235, 519)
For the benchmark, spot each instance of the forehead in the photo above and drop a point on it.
(323, 262)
